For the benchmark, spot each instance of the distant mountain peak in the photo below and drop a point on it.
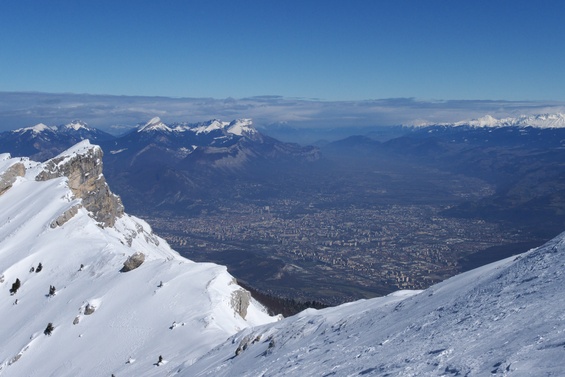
(209, 126)
(77, 125)
(38, 128)
(242, 127)
(155, 124)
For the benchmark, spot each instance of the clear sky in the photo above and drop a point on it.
(330, 50)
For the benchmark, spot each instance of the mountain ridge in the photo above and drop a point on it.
(71, 309)
(556, 120)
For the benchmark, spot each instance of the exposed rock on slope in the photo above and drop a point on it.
(133, 262)
(82, 165)
(8, 177)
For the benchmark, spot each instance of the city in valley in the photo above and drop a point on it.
(297, 250)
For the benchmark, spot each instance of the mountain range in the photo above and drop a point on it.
(522, 157)
(89, 290)
(168, 166)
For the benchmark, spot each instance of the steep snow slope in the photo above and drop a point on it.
(136, 318)
(504, 319)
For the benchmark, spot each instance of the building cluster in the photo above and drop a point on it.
(381, 248)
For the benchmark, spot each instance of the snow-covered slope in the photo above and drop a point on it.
(168, 306)
(504, 319)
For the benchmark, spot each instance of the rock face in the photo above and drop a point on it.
(9, 177)
(133, 262)
(66, 216)
(240, 300)
(83, 168)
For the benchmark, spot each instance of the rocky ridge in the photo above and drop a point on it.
(83, 170)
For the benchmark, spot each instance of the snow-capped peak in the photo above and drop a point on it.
(77, 125)
(154, 124)
(38, 128)
(242, 127)
(209, 126)
(486, 121)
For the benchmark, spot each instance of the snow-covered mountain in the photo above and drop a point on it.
(238, 127)
(503, 319)
(76, 302)
(41, 142)
(537, 121)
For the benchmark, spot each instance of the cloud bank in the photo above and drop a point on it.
(114, 113)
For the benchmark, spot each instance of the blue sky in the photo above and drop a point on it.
(329, 50)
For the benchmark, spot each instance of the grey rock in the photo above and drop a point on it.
(66, 216)
(133, 262)
(8, 178)
(240, 301)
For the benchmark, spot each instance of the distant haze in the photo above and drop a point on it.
(116, 114)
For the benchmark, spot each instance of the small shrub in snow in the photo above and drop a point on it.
(49, 329)
(39, 267)
(32, 269)
(52, 290)
(160, 361)
(89, 309)
(15, 287)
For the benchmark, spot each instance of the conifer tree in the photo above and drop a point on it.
(49, 329)
(15, 287)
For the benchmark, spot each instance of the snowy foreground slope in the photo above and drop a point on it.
(136, 319)
(504, 319)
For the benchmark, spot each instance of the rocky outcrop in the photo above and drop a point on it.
(133, 262)
(8, 178)
(240, 301)
(66, 216)
(82, 165)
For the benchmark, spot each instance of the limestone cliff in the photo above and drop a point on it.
(82, 165)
